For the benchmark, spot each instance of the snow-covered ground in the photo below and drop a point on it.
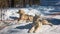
(23, 29)
(10, 14)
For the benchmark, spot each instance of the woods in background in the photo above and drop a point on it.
(18, 3)
(4, 3)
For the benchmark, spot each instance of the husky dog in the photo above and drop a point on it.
(24, 17)
(37, 24)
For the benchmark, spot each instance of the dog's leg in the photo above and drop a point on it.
(38, 27)
(18, 19)
(32, 29)
(45, 22)
(50, 24)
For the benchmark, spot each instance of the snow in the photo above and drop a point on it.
(57, 17)
(40, 10)
(23, 28)
(33, 12)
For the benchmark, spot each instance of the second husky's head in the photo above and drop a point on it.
(21, 12)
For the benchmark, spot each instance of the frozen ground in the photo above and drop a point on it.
(23, 28)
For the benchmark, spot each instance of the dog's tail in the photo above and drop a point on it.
(50, 24)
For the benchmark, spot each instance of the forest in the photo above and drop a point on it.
(18, 3)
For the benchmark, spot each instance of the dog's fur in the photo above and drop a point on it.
(45, 22)
(37, 24)
(30, 18)
(24, 17)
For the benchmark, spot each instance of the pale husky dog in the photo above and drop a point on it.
(24, 17)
